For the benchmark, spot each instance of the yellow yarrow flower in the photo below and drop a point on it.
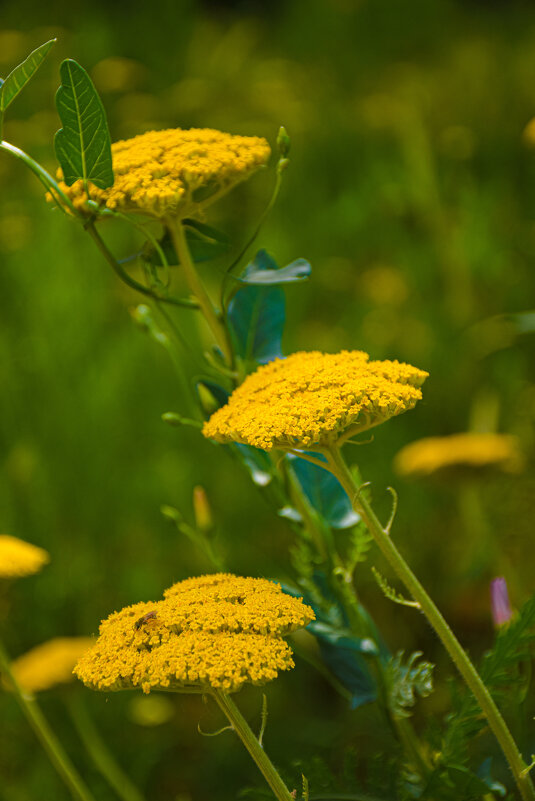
(212, 632)
(313, 399)
(50, 663)
(19, 558)
(468, 451)
(175, 172)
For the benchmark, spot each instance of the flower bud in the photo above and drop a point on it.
(283, 142)
(201, 508)
(499, 602)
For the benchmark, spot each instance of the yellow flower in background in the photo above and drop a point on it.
(175, 172)
(50, 663)
(19, 558)
(313, 399)
(213, 632)
(469, 451)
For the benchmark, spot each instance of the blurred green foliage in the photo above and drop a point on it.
(411, 191)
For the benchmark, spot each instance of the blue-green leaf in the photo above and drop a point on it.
(21, 75)
(257, 463)
(325, 493)
(263, 271)
(256, 317)
(83, 145)
(344, 654)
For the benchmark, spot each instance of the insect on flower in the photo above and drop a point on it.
(144, 619)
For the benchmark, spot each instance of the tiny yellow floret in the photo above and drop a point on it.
(213, 632)
(50, 663)
(19, 558)
(312, 399)
(468, 451)
(174, 173)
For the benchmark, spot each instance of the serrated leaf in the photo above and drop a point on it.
(263, 270)
(325, 493)
(21, 75)
(256, 317)
(82, 145)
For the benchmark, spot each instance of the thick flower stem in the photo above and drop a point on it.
(459, 656)
(243, 730)
(45, 735)
(176, 229)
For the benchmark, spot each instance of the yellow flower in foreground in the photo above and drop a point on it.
(214, 632)
(50, 663)
(468, 451)
(175, 172)
(19, 558)
(312, 399)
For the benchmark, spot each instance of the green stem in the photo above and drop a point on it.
(45, 735)
(459, 656)
(252, 238)
(214, 321)
(46, 179)
(99, 752)
(243, 730)
(128, 280)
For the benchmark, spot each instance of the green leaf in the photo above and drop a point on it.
(83, 145)
(21, 75)
(406, 681)
(256, 317)
(325, 493)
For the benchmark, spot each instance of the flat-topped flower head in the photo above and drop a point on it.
(467, 453)
(175, 172)
(214, 632)
(50, 664)
(313, 399)
(19, 558)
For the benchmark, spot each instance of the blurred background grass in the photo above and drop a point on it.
(411, 191)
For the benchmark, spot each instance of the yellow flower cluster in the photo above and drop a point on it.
(213, 632)
(310, 399)
(175, 172)
(469, 451)
(50, 663)
(19, 558)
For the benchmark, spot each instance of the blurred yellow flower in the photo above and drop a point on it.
(469, 450)
(212, 632)
(315, 399)
(19, 558)
(175, 172)
(50, 663)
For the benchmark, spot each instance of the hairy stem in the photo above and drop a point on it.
(243, 730)
(459, 656)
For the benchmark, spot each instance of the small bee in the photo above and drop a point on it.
(144, 619)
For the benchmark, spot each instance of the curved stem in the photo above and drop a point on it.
(252, 238)
(97, 749)
(128, 280)
(46, 179)
(45, 735)
(243, 730)
(214, 321)
(459, 656)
